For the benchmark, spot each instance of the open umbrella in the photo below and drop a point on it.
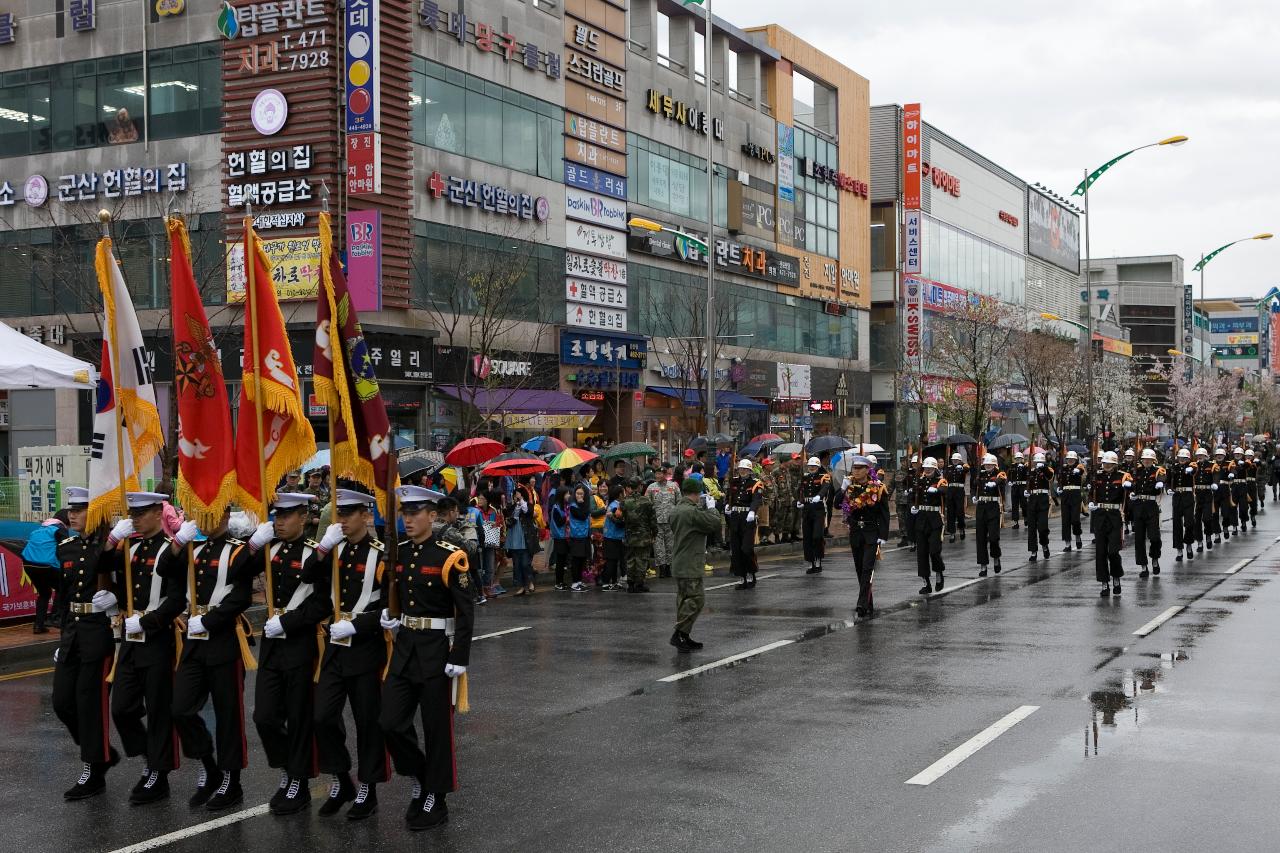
(824, 443)
(756, 445)
(958, 438)
(721, 438)
(319, 460)
(417, 462)
(629, 450)
(866, 447)
(517, 463)
(1078, 448)
(570, 457)
(766, 436)
(785, 450)
(473, 451)
(1009, 439)
(544, 444)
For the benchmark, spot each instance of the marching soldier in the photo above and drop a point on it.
(355, 653)
(1071, 485)
(1181, 482)
(1252, 490)
(1205, 484)
(867, 514)
(1039, 482)
(904, 479)
(1128, 466)
(83, 660)
(1240, 489)
(1018, 473)
(640, 523)
(1106, 499)
(926, 505)
(741, 503)
(1224, 500)
(988, 500)
(212, 662)
(429, 660)
(811, 500)
(955, 474)
(300, 591)
(1148, 486)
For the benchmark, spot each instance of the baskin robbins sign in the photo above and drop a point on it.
(596, 209)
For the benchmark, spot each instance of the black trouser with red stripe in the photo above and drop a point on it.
(1107, 527)
(283, 714)
(82, 696)
(145, 691)
(193, 684)
(420, 687)
(1146, 529)
(365, 694)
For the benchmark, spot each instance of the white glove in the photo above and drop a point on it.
(1128, 484)
(1231, 476)
(751, 516)
(844, 484)
(1039, 464)
(521, 507)
(332, 536)
(262, 536)
(880, 542)
(1159, 486)
(708, 500)
(195, 625)
(272, 628)
(816, 499)
(1191, 470)
(1057, 490)
(103, 600)
(915, 510)
(933, 490)
(1092, 506)
(1213, 487)
(185, 533)
(799, 504)
(342, 629)
(974, 499)
(387, 622)
(56, 652)
(991, 484)
(453, 670)
(122, 531)
(133, 625)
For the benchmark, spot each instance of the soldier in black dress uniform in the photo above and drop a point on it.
(212, 662)
(1129, 465)
(743, 501)
(1072, 482)
(1181, 482)
(988, 498)
(956, 474)
(301, 600)
(811, 500)
(926, 506)
(1148, 486)
(866, 503)
(1039, 482)
(1206, 485)
(1106, 504)
(84, 657)
(1240, 489)
(429, 661)
(1225, 496)
(1250, 466)
(143, 685)
(355, 654)
(1018, 473)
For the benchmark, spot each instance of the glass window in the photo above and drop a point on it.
(802, 98)
(519, 138)
(175, 98)
(699, 58)
(731, 69)
(663, 47)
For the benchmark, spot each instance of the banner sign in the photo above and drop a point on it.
(364, 259)
(1053, 232)
(912, 156)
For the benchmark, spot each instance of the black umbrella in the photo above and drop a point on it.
(415, 463)
(1078, 448)
(699, 444)
(1006, 440)
(957, 439)
(824, 443)
(721, 438)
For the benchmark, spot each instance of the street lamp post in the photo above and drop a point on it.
(1204, 259)
(1083, 190)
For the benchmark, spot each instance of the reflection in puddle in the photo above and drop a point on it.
(1112, 704)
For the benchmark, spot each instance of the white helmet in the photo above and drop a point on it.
(1071, 454)
(871, 457)
(745, 464)
(1110, 458)
(956, 457)
(989, 459)
(1237, 451)
(1200, 451)
(1148, 453)
(1248, 454)
(815, 461)
(1039, 457)
(915, 457)
(1017, 454)
(1128, 453)
(1183, 453)
(1221, 451)
(929, 462)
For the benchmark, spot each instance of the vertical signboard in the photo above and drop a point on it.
(786, 162)
(364, 259)
(913, 316)
(911, 242)
(1274, 342)
(361, 66)
(912, 156)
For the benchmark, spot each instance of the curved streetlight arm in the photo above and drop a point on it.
(1098, 172)
(1199, 266)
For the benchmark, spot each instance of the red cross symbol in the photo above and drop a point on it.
(436, 184)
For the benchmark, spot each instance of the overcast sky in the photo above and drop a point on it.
(1047, 89)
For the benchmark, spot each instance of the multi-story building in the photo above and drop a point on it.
(483, 160)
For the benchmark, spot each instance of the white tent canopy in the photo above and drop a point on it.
(25, 363)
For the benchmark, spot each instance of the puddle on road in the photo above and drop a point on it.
(1117, 707)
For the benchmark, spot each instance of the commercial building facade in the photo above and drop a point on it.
(489, 158)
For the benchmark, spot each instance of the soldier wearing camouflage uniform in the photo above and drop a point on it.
(782, 507)
(640, 521)
(795, 475)
(664, 494)
(768, 508)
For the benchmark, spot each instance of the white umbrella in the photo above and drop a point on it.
(25, 363)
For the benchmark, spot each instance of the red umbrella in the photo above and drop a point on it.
(766, 436)
(514, 467)
(473, 451)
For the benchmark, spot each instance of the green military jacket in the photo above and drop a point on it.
(640, 522)
(691, 524)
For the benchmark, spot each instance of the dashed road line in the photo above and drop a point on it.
(952, 759)
(732, 659)
(192, 831)
(1159, 620)
(1238, 566)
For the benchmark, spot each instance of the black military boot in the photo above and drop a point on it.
(432, 812)
(982, 571)
(1144, 573)
(691, 642)
(812, 570)
(151, 788)
(366, 802)
(280, 791)
(1178, 557)
(228, 794)
(1079, 546)
(926, 589)
(952, 539)
(997, 566)
(962, 534)
(1046, 552)
(340, 793)
(207, 778)
(678, 640)
(1032, 558)
(415, 800)
(1155, 566)
(1106, 590)
(1067, 549)
(937, 587)
(93, 778)
(297, 796)
(1115, 587)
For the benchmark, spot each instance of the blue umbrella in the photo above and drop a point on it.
(543, 444)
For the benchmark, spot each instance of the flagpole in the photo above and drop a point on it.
(328, 410)
(250, 262)
(104, 217)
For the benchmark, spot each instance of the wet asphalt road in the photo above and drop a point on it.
(1166, 742)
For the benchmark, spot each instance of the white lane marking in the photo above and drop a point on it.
(192, 831)
(1238, 566)
(735, 583)
(698, 670)
(1159, 620)
(952, 759)
(1278, 538)
(500, 633)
